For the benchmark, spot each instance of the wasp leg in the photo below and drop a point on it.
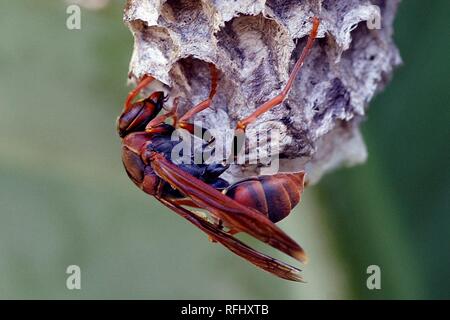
(241, 125)
(183, 123)
(217, 222)
(163, 117)
(145, 81)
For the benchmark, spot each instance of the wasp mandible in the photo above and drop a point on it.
(252, 205)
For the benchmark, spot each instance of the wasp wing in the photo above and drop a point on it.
(232, 213)
(259, 259)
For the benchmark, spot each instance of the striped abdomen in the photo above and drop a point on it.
(274, 196)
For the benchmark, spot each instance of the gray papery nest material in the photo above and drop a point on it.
(254, 44)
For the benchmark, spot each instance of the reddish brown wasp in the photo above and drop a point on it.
(252, 205)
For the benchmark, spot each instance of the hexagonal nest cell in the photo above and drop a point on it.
(254, 44)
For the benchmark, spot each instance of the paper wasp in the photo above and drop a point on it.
(252, 205)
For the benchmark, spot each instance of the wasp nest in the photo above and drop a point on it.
(254, 44)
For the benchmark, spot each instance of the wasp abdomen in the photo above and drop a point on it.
(275, 196)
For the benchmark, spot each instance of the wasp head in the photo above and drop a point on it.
(139, 114)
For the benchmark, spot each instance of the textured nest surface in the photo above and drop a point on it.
(254, 43)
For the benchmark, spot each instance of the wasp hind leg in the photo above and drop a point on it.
(242, 124)
(183, 122)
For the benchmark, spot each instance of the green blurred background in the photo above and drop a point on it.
(65, 199)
